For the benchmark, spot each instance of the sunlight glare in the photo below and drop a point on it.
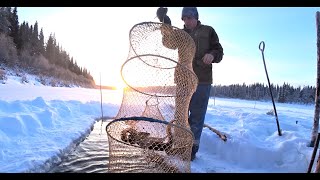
(120, 85)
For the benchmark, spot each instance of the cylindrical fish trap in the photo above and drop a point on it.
(154, 108)
(148, 147)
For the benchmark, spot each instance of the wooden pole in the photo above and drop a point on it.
(318, 162)
(314, 154)
(317, 98)
(220, 134)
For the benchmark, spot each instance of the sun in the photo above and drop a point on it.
(120, 85)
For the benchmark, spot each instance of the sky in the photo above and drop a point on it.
(39, 125)
(289, 34)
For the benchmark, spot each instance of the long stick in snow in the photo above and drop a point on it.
(261, 47)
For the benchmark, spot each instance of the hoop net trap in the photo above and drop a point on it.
(151, 132)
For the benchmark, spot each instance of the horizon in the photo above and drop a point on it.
(265, 83)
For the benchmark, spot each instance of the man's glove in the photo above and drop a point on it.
(162, 15)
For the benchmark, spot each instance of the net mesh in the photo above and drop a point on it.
(151, 132)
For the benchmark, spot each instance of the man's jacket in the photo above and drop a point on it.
(206, 41)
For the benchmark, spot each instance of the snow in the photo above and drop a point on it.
(40, 124)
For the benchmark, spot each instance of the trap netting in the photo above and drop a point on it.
(151, 132)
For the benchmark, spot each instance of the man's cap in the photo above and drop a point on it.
(190, 12)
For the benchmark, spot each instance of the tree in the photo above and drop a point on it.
(50, 49)
(35, 44)
(317, 98)
(8, 54)
(4, 22)
(281, 95)
(14, 28)
(24, 37)
(41, 42)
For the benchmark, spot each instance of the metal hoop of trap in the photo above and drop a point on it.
(157, 71)
(150, 145)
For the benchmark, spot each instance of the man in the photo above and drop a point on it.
(208, 51)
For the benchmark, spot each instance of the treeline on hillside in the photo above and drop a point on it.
(282, 94)
(22, 48)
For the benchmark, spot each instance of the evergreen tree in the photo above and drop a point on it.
(14, 28)
(50, 49)
(35, 43)
(41, 42)
(4, 22)
(281, 98)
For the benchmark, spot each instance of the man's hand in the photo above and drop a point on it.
(162, 15)
(208, 58)
(161, 12)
